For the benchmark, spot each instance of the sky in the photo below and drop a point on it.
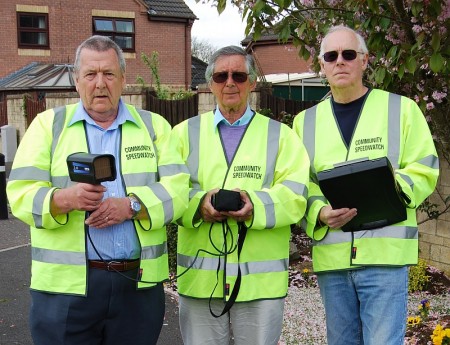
(219, 31)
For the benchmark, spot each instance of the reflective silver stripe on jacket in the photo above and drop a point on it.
(153, 252)
(38, 205)
(273, 143)
(194, 150)
(29, 173)
(193, 192)
(58, 256)
(402, 232)
(79, 258)
(394, 105)
(431, 161)
(296, 187)
(269, 208)
(163, 195)
(211, 264)
(58, 125)
(309, 135)
(146, 117)
(172, 169)
(140, 179)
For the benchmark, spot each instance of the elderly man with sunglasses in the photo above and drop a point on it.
(363, 275)
(249, 177)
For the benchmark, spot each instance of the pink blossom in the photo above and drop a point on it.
(417, 28)
(438, 96)
(430, 106)
(307, 3)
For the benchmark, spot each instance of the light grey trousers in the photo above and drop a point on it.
(249, 323)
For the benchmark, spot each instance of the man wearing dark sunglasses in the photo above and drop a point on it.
(363, 275)
(237, 252)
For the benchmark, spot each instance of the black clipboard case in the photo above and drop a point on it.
(370, 187)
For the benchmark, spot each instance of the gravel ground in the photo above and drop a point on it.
(304, 318)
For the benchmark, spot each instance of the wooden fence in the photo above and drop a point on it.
(3, 114)
(174, 111)
(33, 107)
(278, 105)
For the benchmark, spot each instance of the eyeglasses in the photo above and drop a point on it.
(348, 55)
(238, 77)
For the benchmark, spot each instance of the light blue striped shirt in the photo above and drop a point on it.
(117, 242)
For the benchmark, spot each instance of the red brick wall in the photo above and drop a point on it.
(280, 58)
(70, 23)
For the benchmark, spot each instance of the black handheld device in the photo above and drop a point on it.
(227, 200)
(91, 168)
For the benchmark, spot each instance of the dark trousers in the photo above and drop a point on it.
(113, 313)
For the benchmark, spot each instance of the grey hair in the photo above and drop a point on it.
(99, 44)
(229, 51)
(361, 42)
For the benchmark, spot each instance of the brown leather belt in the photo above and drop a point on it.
(114, 265)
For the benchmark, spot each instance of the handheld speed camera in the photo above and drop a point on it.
(91, 168)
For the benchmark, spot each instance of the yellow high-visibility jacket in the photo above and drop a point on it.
(272, 166)
(157, 177)
(390, 126)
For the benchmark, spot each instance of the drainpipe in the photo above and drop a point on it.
(187, 53)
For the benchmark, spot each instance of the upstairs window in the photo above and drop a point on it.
(120, 30)
(32, 30)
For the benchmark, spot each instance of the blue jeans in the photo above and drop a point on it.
(365, 306)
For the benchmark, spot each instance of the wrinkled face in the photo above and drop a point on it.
(343, 73)
(231, 94)
(100, 82)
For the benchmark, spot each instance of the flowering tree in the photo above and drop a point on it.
(408, 42)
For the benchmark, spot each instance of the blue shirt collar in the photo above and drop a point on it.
(244, 120)
(122, 116)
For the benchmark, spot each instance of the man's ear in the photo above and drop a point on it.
(365, 61)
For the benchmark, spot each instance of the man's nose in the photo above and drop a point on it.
(230, 80)
(100, 80)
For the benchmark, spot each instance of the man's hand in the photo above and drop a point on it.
(208, 212)
(80, 196)
(336, 219)
(245, 213)
(110, 212)
(211, 215)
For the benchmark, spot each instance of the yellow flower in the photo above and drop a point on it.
(413, 320)
(440, 335)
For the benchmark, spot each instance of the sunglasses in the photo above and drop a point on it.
(348, 55)
(238, 77)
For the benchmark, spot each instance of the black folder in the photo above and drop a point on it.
(370, 187)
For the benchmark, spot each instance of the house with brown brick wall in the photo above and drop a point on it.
(273, 56)
(49, 31)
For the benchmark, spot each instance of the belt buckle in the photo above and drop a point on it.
(109, 267)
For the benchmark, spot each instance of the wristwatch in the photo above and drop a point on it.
(135, 206)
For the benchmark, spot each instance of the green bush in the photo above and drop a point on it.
(418, 278)
(172, 247)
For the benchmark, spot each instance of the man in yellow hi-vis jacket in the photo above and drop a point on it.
(363, 275)
(99, 252)
(235, 242)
